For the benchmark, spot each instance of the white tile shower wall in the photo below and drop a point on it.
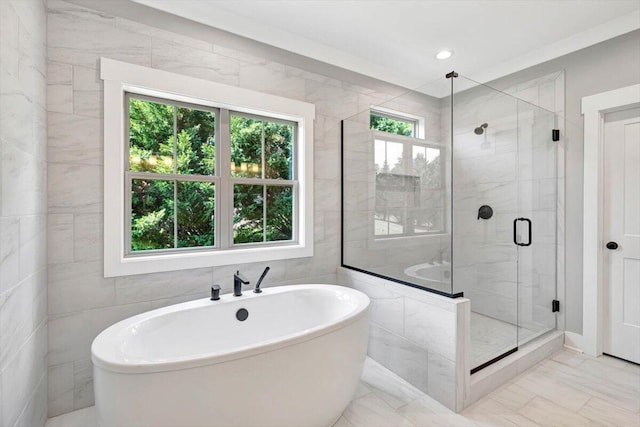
(509, 169)
(23, 209)
(420, 336)
(81, 301)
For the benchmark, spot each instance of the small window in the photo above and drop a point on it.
(392, 124)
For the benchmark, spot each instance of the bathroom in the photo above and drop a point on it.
(63, 281)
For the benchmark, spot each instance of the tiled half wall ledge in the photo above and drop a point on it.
(420, 336)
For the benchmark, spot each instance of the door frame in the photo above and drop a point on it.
(594, 108)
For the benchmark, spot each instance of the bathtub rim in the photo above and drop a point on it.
(106, 337)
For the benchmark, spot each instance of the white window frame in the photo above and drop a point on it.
(121, 78)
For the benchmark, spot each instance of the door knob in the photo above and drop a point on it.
(612, 245)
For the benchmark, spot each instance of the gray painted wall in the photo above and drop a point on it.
(23, 208)
(606, 66)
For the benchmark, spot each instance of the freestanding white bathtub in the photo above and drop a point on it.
(295, 361)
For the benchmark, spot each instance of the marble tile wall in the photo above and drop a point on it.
(420, 336)
(23, 208)
(81, 301)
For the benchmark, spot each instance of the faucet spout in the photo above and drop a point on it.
(238, 281)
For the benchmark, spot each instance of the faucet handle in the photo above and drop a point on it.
(215, 292)
(241, 277)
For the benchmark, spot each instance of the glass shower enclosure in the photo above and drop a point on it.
(452, 188)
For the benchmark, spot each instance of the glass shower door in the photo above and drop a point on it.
(535, 226)
(504, 218)
(485, 194)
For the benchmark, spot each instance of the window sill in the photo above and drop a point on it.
(156, 263)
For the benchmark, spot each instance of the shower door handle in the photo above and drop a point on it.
(515, 231)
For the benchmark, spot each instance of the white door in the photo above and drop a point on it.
(622, 234)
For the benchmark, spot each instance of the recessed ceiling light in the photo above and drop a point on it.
(444, 54)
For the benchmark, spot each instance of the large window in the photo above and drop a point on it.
(177, 185)
(202, 174)
(409, 179)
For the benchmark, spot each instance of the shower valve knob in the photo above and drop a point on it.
(485, 212)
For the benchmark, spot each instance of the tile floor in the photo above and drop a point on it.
(566, 390)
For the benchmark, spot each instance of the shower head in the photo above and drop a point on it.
(480, 129)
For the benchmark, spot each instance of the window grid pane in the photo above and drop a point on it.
(247, 141)
(151, 136)
(279, 213)
(248, 213)
(195, 214)
(196, 145)
(152, 215)
(278, 148)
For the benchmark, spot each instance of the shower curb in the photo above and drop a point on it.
(494, 376)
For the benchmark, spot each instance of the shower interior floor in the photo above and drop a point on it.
(491, 338)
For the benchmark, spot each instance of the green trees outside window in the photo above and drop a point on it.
(391, 125)
(254, 220)
(175, 182)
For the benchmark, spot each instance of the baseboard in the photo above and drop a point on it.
(573, 341)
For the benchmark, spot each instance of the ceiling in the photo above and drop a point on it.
(396, 41)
